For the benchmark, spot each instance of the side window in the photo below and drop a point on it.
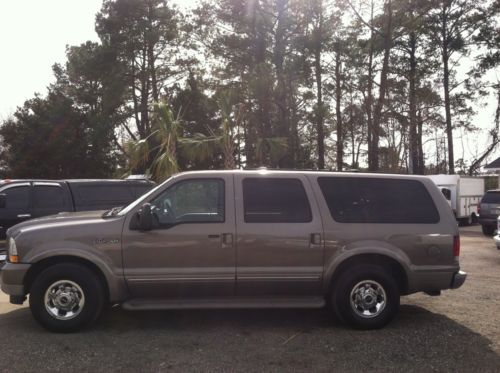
(190, 201)
(48, 197)
(17, 197)
(278, 200)
(377, 200)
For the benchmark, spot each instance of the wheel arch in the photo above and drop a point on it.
(45, 263)
(396, 269)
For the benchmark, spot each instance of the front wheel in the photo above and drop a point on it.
(66, 297)
(366, 297)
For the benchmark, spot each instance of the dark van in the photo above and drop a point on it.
(21, 200)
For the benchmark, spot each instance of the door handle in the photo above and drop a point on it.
(227, 239)
(24, 216)
(316, 238)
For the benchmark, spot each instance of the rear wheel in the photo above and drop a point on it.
(366, 297)
(66, 297)
(488, 230)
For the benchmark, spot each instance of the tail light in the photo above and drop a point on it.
(456, 246)
(479, 209)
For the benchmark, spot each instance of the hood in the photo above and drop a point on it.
(61, 219)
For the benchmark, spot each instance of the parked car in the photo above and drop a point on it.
(463, 194)
(242, 239)
(496, 238)
(21, 200)
(489, 210)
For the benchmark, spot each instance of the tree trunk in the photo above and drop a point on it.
(413, 164)
(373, 161)
(446, 87)
(369, 98)
(338, 98)
(320, 115)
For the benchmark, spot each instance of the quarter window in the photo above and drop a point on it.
(277, 200)
(377, 200)
(190, 201)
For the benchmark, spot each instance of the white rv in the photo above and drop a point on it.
(464, 194)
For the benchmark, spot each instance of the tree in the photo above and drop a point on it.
(54, 130)
(452, 26)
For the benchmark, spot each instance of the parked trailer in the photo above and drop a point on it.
(464, 194)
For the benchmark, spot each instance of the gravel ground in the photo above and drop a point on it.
(458, 331)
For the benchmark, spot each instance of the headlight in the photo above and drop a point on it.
(13, 257)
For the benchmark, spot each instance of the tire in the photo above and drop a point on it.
(488, 230)
(377, 284)
(75, 288)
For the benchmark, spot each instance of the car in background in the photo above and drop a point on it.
(497, 237)
(22, 200)
(489, 210)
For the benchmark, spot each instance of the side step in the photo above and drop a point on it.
(139, 304)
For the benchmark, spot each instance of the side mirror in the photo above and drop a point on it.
(3, 201)
(145, 218)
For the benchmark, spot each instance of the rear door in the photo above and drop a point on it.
(279, 236)
(50, 198)
(18, 205)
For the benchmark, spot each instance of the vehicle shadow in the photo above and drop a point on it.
(243, 340)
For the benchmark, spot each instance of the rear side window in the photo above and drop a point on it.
(105, 193)
(491, 197)
(48, 197)
(375, 200)
(277, 200)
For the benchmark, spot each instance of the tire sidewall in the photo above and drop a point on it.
(346, 282)
(82, 276)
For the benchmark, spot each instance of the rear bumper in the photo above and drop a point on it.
(487, 221)
(12, 277)
(458, 279)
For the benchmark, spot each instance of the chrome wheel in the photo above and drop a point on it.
(64, 300)
(368, 299)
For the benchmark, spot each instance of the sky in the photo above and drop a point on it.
(34, 35)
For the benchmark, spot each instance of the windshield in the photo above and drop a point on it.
(491, 197)
(138, 201)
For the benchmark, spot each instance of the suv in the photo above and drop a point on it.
(239, 239)
(21, 200)
(489, 209)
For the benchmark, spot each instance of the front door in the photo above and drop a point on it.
(189, 252)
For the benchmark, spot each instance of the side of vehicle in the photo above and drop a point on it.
(464, 194)
(29, 199)
(243, 239)
(489, 211)
(496, 238)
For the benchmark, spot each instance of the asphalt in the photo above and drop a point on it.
(456, 332)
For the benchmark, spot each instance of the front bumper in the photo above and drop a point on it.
(497, 240)
(458, 279)
(12, 278)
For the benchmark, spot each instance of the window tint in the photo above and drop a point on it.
(491, 197)
(105, 193)
(190, 201)
(17, 197)
(275, 201)
(374, 200)
(46, 196)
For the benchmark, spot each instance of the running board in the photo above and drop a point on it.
(221, 303)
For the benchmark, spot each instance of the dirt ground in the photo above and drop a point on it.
(458, 331)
